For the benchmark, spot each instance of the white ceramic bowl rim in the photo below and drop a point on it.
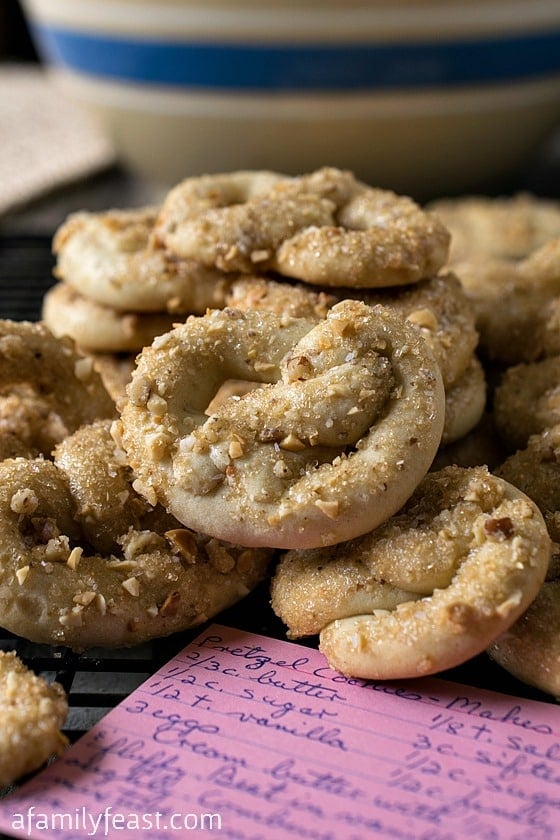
(275, 66)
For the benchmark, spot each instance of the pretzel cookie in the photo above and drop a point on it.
(436, 306)
(324, 228)
(506, 227)
(32, 712)
(527, 400)
(432, 587)
(47, 389)
(516, 304)
(530, 648)
(86, 562)
(111, 258)
(347, 422)
(97, 328)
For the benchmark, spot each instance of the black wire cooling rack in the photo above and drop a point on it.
(98, 680)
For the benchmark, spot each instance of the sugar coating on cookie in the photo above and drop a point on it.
(325, 228)
(87, 562)
(47, 388)
(430, 588)
(112, 258)
(32, 712)
(347, 420)
(97, 328)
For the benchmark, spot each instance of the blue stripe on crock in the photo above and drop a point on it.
(293, 67)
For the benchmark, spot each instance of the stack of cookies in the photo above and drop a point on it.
(116, 290)
(506, 251)
(260, 240)
(300, 265)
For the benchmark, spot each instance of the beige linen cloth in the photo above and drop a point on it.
(46, 141)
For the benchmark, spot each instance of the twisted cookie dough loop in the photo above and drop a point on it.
(376, 239)
(54, 388)
(471, 550)
(465, 401)
(96, 328)
(440, 310)
(530, 649)
(325, 228)
(347, 422)
(506, 228)
(516, 305)
(32, 712)
(111, 258)
(527, 401)
(437, 306)
(152, 577)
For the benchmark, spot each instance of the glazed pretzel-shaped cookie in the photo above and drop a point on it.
(86, 562)
(97, 328)
(32, 712)
(111, 258)
(325, 228)
(471, 549)
(47, 389)
(346, 422)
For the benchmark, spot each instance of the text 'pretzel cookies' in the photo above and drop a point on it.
(86, 562)
(32, 712)
(347, 420)
(325, 228)
(429, 589)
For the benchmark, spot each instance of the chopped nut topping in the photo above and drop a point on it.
(84, 598)
(139, 390)
(235, 449)
(219, 557)
(183, 541)
(502, 526)
(292, 443)
(264, 367)
(342, 326)
(72, 618)
(170, 606)
(145, 490)
(330, 509)
(74, 557)
(24, 501)
(509, 604)
(132, 586)
(244, 562)
(159, 443)
(22, 573)
(83, 369)
(156, 405)
(231, 253)
(260, 256)
(299, 368)
(280, 468)
(57, 549)
(423, 318)
(100, 603)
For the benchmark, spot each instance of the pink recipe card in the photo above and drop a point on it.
(248, 738)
